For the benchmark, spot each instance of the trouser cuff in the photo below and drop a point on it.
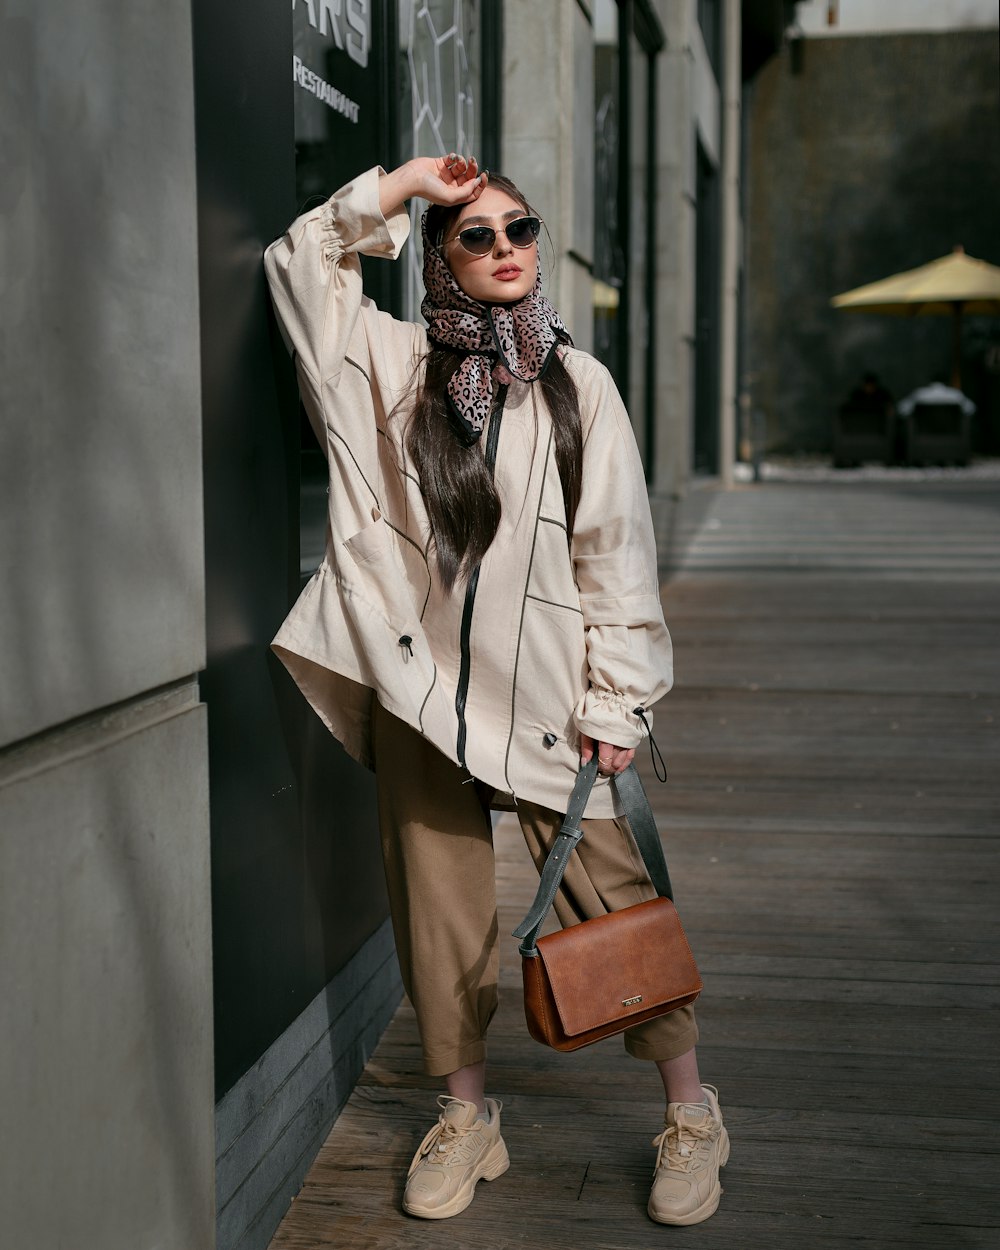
(673, 1046)
(441, 1062)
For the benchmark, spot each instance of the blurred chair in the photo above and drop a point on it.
(937, 434)
(861, 433)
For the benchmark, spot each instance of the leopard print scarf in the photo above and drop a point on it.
(501, 341)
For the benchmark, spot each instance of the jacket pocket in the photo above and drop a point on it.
(551, 671)
(372, 574)
(392, 648)
(374, 542)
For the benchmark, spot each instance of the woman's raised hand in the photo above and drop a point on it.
(451, 179)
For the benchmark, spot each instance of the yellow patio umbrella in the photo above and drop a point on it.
(950, 286)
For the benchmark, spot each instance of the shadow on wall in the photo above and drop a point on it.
(880, 155)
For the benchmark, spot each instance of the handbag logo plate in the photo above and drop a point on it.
(631, 1002)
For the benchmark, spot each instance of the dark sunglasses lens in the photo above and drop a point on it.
(523, 231)
(477, 239)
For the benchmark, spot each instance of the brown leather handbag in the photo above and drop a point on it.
(602, 976)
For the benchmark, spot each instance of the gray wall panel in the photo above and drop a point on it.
(100, 451)
(106, 1050)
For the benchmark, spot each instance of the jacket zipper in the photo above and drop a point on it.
(465, 666)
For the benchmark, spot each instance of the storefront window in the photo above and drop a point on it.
(339, 122)
(441, 56)
(381, 81)
(341, 129)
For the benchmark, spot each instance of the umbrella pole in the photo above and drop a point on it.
(956, 345)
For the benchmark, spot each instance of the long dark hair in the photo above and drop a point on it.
(463, 505)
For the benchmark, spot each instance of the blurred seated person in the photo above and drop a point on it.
(870, 396)
(936, 393)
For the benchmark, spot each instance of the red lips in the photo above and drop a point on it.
(506, 273)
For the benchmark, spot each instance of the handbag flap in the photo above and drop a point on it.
(619, 965)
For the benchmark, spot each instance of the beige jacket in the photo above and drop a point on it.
(504, 673)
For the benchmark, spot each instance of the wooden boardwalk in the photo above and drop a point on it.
(831, 825)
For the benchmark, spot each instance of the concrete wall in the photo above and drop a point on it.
(106, 1048)
(675, 242)
(548, 143)
(689, 109)
(880, 155)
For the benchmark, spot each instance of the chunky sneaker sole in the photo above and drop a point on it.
(494, 1163)
(692, 1148)
(711, 1203)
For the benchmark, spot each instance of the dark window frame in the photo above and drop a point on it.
(639, 18)
(710, 24)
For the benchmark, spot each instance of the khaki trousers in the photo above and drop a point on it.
(437, 846)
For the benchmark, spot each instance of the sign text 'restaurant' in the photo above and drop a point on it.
(322, 90)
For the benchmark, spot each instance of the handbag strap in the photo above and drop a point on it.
(640, 818)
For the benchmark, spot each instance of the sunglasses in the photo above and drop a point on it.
(479, 240)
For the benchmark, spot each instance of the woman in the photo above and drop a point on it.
(486, 617)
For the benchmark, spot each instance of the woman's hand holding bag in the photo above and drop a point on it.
(611, 760)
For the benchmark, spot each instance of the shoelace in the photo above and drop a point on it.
(682, 1142)
(447, 1141)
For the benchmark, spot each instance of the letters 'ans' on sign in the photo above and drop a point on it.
(332, 47)
(348, 22)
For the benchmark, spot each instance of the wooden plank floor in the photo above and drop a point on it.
(831, 826)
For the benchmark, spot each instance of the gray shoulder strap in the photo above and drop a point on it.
(641, 822)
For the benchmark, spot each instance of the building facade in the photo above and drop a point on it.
(105, 933)
(873, 148)
(197, 952)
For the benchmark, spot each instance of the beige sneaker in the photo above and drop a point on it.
(692, 1147)
(461, 1149)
